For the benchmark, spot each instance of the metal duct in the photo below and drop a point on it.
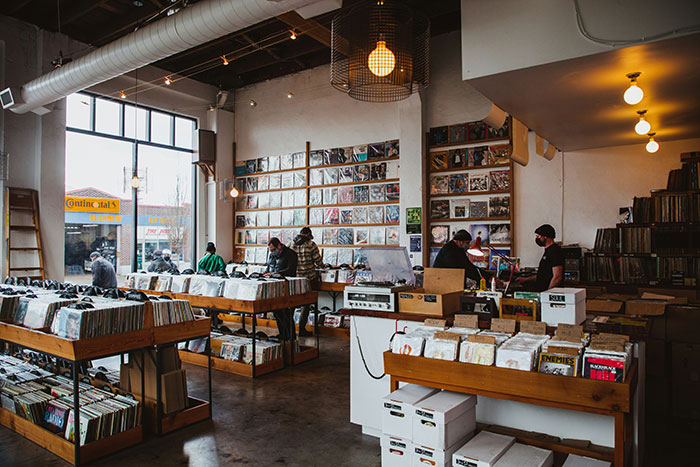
(190, 27)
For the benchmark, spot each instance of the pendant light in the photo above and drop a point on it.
(642, 127)
(652, 145)
(380, 51)
(633, 94)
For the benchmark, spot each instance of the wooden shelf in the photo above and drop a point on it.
(345, 164)
(333, 286)
(246, 306)
(257, 174)
(468, 144)
(305, 354)
(273, 209)
(199, 327)
(274, 189)
(471, 193)
(228, 366)
(364, 182)
(196, 411)
(371, 203)
(63, 448)
(469, 219)
(505, 166)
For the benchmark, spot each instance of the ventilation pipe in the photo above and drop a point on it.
(199, 23)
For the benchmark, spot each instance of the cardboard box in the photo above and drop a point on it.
(651, 304)
(396, 452)
(682, 323)
(442, 419)
(426, 455)
(397, 409)
(579, 461)
(604, 305)
(523, 455)
(483, 450)
(563, 305)
(439, 296)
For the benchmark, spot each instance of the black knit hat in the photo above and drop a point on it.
(463, 236)
(546, 230)
(306, 231)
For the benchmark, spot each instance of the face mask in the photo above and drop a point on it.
(539, 241)
(274, 253)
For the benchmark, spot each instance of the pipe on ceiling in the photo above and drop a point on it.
(199, 23)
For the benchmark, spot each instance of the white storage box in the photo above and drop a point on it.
(483, 450)
(442, 419)
(397, 409)
(522, 455)
(396, 452)
(579, 461)
(563, 305)
(426, 455)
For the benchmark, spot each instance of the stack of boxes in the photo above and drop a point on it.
(425, 426)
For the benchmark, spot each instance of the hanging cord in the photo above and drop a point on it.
(615, 42)
(362, 355)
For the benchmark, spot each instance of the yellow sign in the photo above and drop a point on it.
(74, 203)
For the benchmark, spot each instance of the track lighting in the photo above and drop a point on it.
(652, 145)
(642, 127)
(122, 95)
(167, 81)
(253, 103)
(224, 60)
(293, 36)
(290, 94)
(633, 94)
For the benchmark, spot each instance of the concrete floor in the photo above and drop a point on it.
(296, 417)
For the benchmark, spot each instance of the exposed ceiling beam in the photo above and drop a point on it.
(82, 9)
(253, 65)
(269, 51)
(313, 29)
(18, 6)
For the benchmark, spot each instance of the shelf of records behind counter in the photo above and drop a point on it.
(567, 392)
(64, 448)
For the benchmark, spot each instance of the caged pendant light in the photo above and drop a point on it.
(380, 51)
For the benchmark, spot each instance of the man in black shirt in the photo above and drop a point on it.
(283, 261)
(454, 256)
(550, 272)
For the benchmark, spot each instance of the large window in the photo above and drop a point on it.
(105, 138)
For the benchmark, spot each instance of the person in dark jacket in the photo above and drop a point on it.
(103, 274)
(158, 264)
(283, 261)
(309, 258)
(454, 256)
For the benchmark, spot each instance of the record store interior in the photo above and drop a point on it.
(349, 233)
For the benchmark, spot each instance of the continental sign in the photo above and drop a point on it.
(74, 203)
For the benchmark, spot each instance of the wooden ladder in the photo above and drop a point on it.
(24, 256)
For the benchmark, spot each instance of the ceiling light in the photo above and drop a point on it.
(293, 36)
(652, 145)
(122, 95)
(135, 183)
(223, 58)
(642, 127)
(167, 81)
(253, 103)
(381, 61)
(634, 93)
(234, 192)
(290, 94)
(137, 3)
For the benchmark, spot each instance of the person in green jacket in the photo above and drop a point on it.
(211, 262)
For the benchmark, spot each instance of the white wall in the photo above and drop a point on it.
(581, 191)
(513, 34)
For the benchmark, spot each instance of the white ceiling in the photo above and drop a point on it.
(577, 104)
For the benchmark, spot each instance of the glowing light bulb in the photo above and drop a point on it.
(234, 192)
(167, 81)
(642, 127)
(122, 95)
(633, 94)
(381, 61)
(652, 145)
(224, 60)
(135, 183)
(293, 36)
(253, 103)
(290, 95)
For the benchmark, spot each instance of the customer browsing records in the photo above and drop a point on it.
(308, 260)
(454, 256)
(103, 274)
(282, 261)
(211, 262)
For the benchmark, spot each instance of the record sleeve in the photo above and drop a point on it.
(375, 151)
(288, 217)
(500, 154)
(250, 219)
(359, 256)
(439, 233)
(262, 164)
(479, 230)
(345, 174)
(275, 181)
(458, 183)
(456, 158)
(299, 179)
(275, 218)
(377, 236)
(391, 148)
(477, 131)
(346, 216)
(440, 209)
(251, 166)
(330, 195)
(263, 237)
(300, 217)
(361, 194)
(240, 221)
(251, 184)
(499, 133)
(479, 182)
(316, 216)
(330, 236)
(359, 153)
(330, 256)
(438, 161)
(375, 214)
(392, 235)
(288, 180)
(252, 202)
(392, 170)
(330, 176)
(361, 173)
(315, 158)
(345, 195)
(263, 183)
(344, 257)
(459, 208)
(499, 206)
(315, 196)
(261, 255)
(263, 200)
(250, 237)
(361, 236)
(345, 236)
(392, 214)
(499, 233)
(316, 177)
(499, 180)
(438, 135)
(359, 215)
(249, 255)
(287, 199)
(478, 209)
(330, 216)
(458, 133)
(300, 198)
(554, 364)
(477, 156)
(276, 199)
(337, 156)
(286, 162)
(273, 163)
(377, 193)
(439, 185)
(392, 191)
(299, 160)
(378, 171)
(326, 153)
(262, 218)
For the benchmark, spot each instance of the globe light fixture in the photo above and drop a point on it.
(633, 94)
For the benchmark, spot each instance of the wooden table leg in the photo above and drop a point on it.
(394, 384)
(619, 440)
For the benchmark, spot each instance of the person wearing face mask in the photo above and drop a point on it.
(454, 256)
(550, 272)
(282, 260)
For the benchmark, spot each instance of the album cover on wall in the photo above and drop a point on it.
(361, 236)
(316, 177)
(288, 180)
(377, 193)
(456, 158)
(300, 217)
(499, 206)
(263, 183)
(361, 173)
(263, 237)
(391, 149)
(315, 196)
(458, 133)
(261, 218)
(299, 160)
(315, 158)
(299, 179)
(252, 202)
(499, 133)
(251, 184)
(392, 214)
(499, 233)
(331, 216)
(262, 164)
(479, 182)
(478, 209)
(378, 171)
(326, 154)
(316, 216)
(438, 135)
(337, 156)
(479, 230)
(361, 194)
(345, 195)
(459, 208)
(458, 183)
(276, 199)
(439, 185)
(439, 209)
(359, 153)
(500, 154)
(330, 195)
(300, 198)
(359, 215)
(263, 200)
(376, 236)
(345, 174)
(478, 156)
(439, 233)
(330, 236)
(275, 218)
(286, 162)
(251, 166)
(392, 235)
(250, 219)
(345, 236)
(346, 216)
(273, 163)
(287, 199)
(240, 221)
(438, 160)
(375, 151)
(344, 257)
(477, 131)
(330, 176)
(250, 237)
(375, 215)
(499, 180)
(288, 217)
(392, 191)
(275, 181)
